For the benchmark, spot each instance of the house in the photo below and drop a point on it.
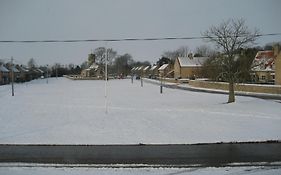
(146, 71)
(24, 73)
(139, 71)
(133, 70)
(41, 73)
(4, 75)
(277, 56)
(266, 66)
(16, 72)
(263, 67)
(93, 71)
(34, 73)
(153, 72)
(165, 70)
(189, 67)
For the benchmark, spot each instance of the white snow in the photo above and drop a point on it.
(194, 62)
(73, 112)
(164, 66)
(257, 170)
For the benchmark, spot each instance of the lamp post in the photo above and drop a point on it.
(12, 76)
(141, 78)
(161, 84)
(56, 71)
(105, 89)
(47, 81)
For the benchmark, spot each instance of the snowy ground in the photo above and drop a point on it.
(73, 112)
(147, 171)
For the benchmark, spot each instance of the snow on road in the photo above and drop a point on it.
(73, 112)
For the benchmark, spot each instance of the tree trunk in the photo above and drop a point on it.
(231, 96)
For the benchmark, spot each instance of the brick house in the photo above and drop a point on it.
(4, 75)
(189, 67)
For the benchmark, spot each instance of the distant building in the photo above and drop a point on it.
(146, 71)
(93, 70)
(139, 71)
(16, 73)
(277, 56)
(24, 73)
(4, 75)
(189, 67)
(153, 72)
(165, 70)
(263, 67)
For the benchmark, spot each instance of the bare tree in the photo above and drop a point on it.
(31, 63)
(100, 54)
(122, 64)
(230, 35)
(204, 51)
(182, 51)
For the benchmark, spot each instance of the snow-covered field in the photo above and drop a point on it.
(147, 171)
(73, 112)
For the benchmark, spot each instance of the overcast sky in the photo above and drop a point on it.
(114, 19)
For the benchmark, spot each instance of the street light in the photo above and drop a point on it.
(12, 76)
(47, 74)
(161, 84)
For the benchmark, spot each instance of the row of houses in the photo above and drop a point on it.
(20, 73)
(266, 68)
(145, 71)
(184, 67)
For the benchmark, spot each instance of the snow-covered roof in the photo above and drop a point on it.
(39, 70)
(15, 70)
(140, 68)
(3, 69)
(146, 68)
(264, 61)
(191, 62)
(133, 68)
(153, 68)
(23, 69)
(164, 66)
(93, 66)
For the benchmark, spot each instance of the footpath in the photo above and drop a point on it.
(216, 91)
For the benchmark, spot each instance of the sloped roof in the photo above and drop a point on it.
(15, 70)
(94, 66)
(146, 68)
(153, 68)
(264, 61)
(192, 62)
(39, 70)
(140, 68)
(3, 69)
(23, 69)
(164, 66)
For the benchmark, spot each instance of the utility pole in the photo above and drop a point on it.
(47, 74)
(141, 79)
(56, 71)
(105, 90)
(161, 85)
(12, 75)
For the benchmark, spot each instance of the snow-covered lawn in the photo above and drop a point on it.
(73, 112)
(141, 171)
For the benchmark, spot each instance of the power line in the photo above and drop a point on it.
(123, 39)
